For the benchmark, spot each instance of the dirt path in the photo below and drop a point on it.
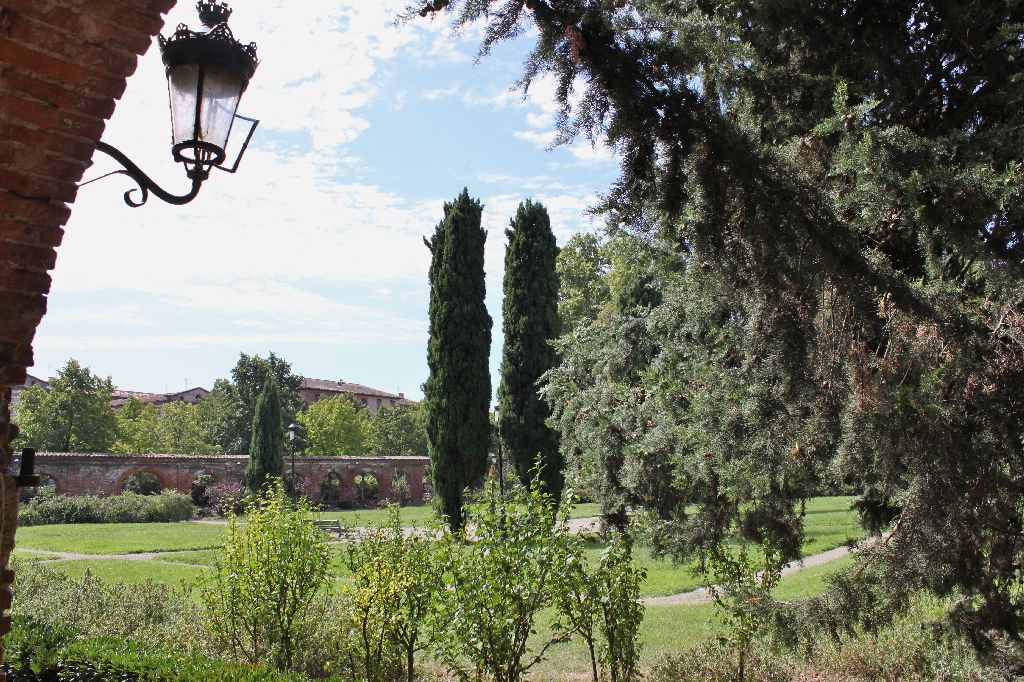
(703, 595)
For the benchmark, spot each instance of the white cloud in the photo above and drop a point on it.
(542, 139)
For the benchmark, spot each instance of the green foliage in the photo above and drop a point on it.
(457, 393)
(148, 612)
(189, 428)
(218, 415)
(500, 582)
(741, 582)
(248, 378)
(266, 454)
(396, 578)
(36, 652)
(273, 565)
(831, 203)
(73, 415)
(336, 426)
(530, 323)
(399, 431)
(582, 266)
(138, 428)
(51, 508)
(603, 608)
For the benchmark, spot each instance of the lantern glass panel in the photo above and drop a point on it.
(182, 84)
(222, 88)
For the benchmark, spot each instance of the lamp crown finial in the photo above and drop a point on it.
(213, 13)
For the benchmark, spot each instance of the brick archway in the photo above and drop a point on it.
(63, 63)
(165, 484)
(58, 485)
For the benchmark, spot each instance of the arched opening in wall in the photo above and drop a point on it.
(331, 491)
(367, 489)
(141, 483)
(200, 489)
(401, 491)
(47, 486)
(428, 486)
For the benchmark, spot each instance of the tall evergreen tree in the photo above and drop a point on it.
(457, 393)
(266, 452)
(833, 197)
(530, 324)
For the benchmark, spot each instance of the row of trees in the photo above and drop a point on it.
(458, 391)
(827, 207)
(75, 415)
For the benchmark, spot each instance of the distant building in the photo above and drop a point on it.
(29, 381)
(191, 395)
(373, 399)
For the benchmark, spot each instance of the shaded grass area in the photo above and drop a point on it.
(122, 538)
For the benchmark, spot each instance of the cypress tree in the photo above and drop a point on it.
(458, 391)
(530, 312)
(266, 452)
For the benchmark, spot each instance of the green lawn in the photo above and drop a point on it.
(829, 523)
(130, 571)
(121, 538)
(417, 517)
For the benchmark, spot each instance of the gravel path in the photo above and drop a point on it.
(49, 556)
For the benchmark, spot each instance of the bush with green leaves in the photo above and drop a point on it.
(603, 608)
(396, 580)
(740, 579)
(49, 507)
(273, 564)
(149, 612)
(501, 577)
(37, 652)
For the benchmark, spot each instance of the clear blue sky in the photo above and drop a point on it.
(313, 249)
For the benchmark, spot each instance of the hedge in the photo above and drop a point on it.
(47, 508)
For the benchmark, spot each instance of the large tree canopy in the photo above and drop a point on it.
(72, 415)
(830, 195)
(248, 377)
(335, 426)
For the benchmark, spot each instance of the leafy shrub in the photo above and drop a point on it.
(603, 607)
(272, 567)
(401, 492)
(225, 498)
(50, 508)
(150, 612)
(500, 582)
(396, 578)
(37, 652)
(909, 650)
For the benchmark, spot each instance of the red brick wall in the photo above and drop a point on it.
(102, 474)
(63, 63)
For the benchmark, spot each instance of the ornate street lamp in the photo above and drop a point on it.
(207, 72)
